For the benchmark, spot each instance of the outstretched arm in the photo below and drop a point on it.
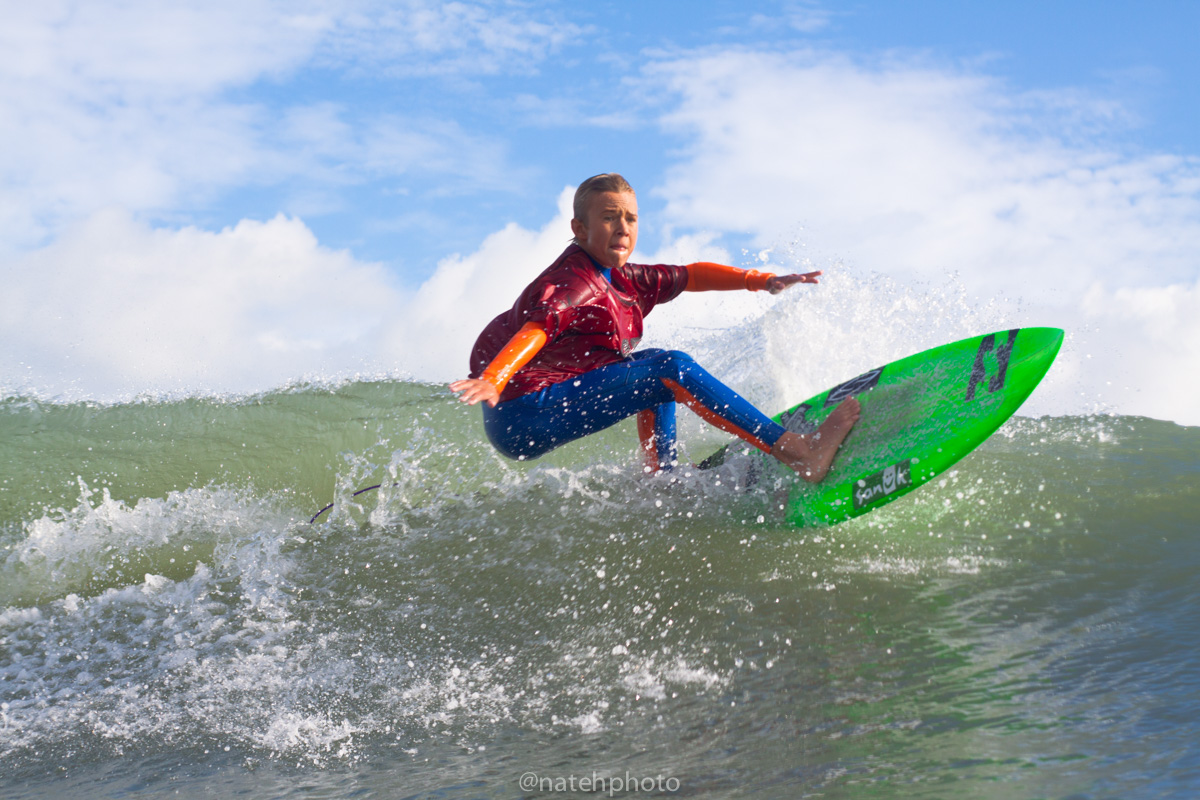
(519, 351)
(704, 276)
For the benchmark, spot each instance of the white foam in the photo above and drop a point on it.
(103, 541)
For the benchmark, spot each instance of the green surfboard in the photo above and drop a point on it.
(920, 415)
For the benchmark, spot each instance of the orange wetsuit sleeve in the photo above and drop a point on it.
(704, 276)
(519, 351)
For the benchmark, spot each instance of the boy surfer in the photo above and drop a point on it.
(560, 364)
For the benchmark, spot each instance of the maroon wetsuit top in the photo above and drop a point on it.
(590, 322)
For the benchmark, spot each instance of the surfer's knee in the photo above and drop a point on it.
(678, 364)
(679, 355)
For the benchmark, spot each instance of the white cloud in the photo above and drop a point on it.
(333, 147)
(799, 16)
(1154, 334)
(917, 172)
(920, 171)
(115, 308)
(158, 107)
(431, 38)
(132, 50)
(105, 104)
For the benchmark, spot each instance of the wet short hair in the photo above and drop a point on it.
(607, 182)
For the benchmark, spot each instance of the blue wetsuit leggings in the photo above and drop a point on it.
(647, 383)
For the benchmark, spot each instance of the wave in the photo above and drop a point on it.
(97, 497)
(164, 588)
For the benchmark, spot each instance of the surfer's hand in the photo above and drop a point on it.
(781, 282)
(473, 390)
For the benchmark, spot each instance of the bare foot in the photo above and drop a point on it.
(812, 454)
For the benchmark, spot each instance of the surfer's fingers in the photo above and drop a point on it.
(473, 390)
(781, 282)
(469, 391)
(474, 395)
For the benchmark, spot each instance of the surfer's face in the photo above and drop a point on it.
(609, 228)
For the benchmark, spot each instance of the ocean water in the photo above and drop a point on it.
(172, 625)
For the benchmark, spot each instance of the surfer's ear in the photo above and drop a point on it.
(579, 229)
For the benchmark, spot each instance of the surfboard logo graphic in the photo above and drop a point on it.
(797, 421)
(854, 386)
(887, 481)
(979, 368)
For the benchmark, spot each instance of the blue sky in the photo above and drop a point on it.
(365, 175)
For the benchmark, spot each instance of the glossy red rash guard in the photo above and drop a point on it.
(589, 322)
